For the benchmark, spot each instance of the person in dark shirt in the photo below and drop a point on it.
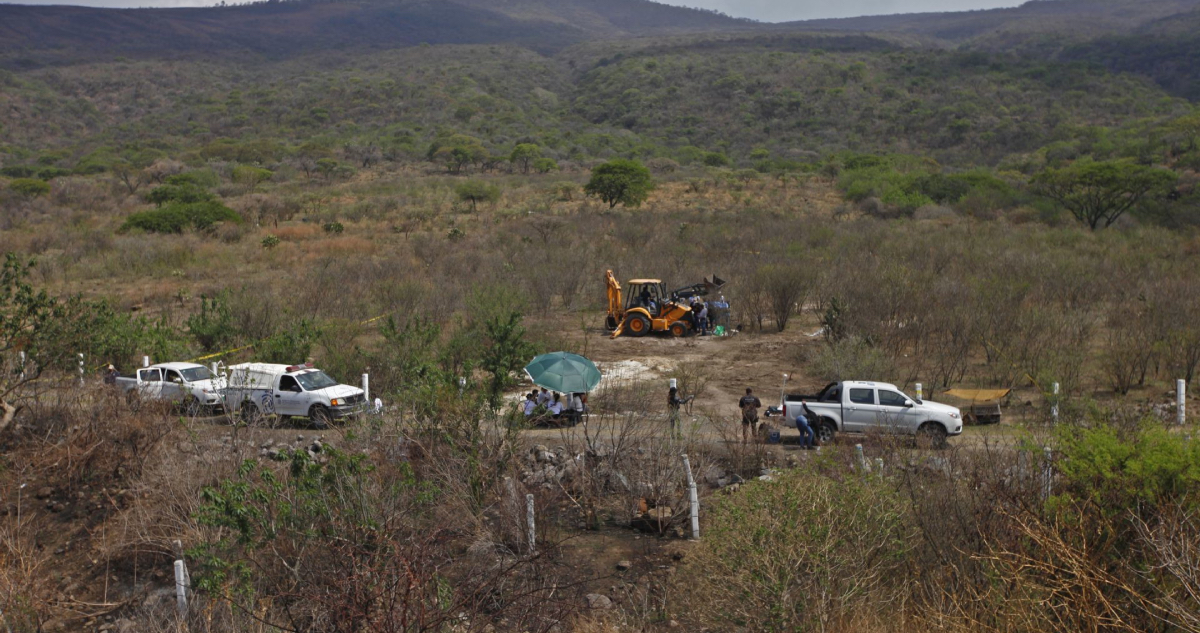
(803, 420)
(749, 404)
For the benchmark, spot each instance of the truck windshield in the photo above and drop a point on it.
(314, 380)
(195, 374)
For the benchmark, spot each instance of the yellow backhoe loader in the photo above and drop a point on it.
(648, 307)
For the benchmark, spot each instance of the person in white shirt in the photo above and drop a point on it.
(555, 407)
(530, 405)
(544, 397)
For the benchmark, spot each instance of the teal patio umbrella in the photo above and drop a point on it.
(563, 372)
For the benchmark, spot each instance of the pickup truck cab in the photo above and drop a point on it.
(192, 386)
(257, 390)
(862, 407)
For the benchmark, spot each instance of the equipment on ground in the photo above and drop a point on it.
(646, 306)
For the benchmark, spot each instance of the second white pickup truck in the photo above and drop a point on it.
(257, 390)
(190, 385)
(862, 407)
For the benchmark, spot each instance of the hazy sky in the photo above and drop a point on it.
(766, 10)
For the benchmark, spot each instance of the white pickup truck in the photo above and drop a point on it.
(257, 390)
(863, 407)
(189, 384)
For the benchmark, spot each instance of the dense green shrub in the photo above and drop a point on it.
(183, 193)
(176, 217)
(30, 187)
(805, 548)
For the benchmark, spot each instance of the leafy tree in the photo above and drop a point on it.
(30, 187)
(176, 217)
(621, 181)
(290, 345)
(506, 352)
(251, 176)
(717, 159)
(474, 191)
(182, 193)
(545, 165)
(1098, 192)
(457, 151)
(18, 171)
(213, 326)
(525, 154)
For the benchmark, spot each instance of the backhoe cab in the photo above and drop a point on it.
(646, 306)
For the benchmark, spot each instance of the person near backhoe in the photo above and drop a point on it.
(703, 318)
(749, 404)
(807, 436)
(673, 404)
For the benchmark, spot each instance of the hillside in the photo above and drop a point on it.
(999, 29)
(60, 34)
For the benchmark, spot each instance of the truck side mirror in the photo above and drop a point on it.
(908, 403)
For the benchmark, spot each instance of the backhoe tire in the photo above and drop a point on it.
(637, 325)
(679, 329)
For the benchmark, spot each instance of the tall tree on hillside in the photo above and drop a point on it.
(524, 154)
(620, 181)
(1098, 193)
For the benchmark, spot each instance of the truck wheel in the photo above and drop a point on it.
(192, 407)
(637, 325)
(679, 329)
(825, 433)
(931, 435)
(133, 400)
(249, 413)
(319, 416)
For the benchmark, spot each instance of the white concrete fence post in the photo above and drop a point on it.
(1047, 472)
(693, 499)
(22, 355)
(145, 361)
(1181, 400)
(918, 389)
(366, 388)
(181, 588)
(862, 459)
(81, 370)
(529, 521)
(1054, 404)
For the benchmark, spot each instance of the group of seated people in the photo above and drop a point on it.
(541, 407)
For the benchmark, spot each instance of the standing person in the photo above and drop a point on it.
(110, 375)
(749, 404)
(575, 405)
(673, 403)
(703, 318)
(806, 433)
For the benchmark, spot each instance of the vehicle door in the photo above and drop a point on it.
(290, 399)
(149, 383)
(896, 412)
(172, 385)
(860, 412)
